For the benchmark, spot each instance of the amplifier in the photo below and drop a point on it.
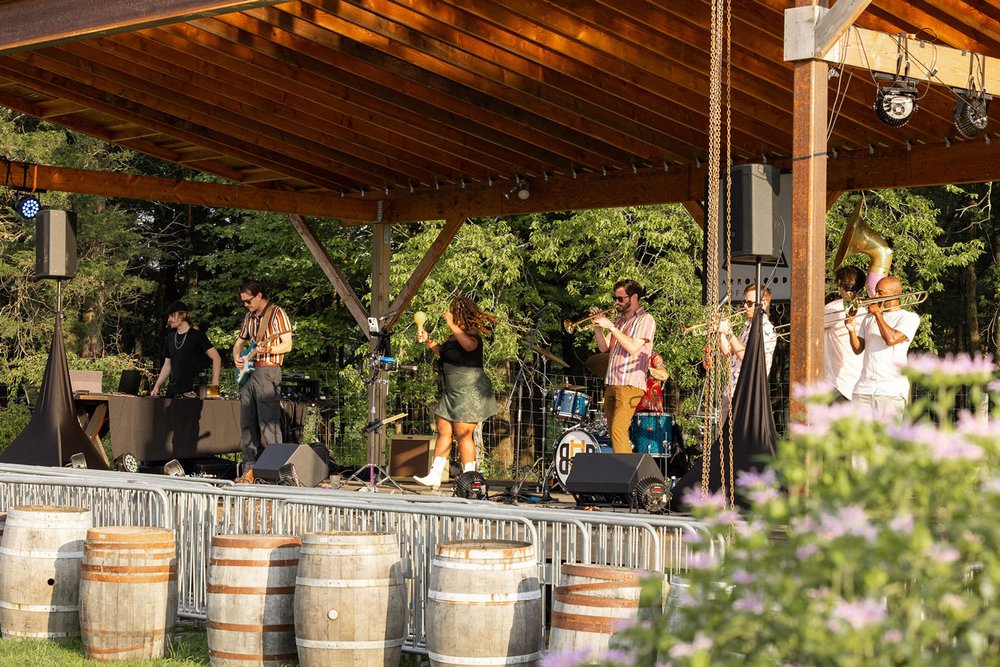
(297, 387)
(411, 456)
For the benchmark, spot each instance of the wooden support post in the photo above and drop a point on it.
(426, 265)
(809, 192)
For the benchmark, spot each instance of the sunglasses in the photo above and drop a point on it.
(246, 302)
(622, 299)
(748, 303)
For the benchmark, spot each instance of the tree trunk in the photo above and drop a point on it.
(970, 283)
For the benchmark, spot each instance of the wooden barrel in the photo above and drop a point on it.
(251, 588)
(484, 604)
(350, 600)
(128, 593)
(594, 602)
(40, 570)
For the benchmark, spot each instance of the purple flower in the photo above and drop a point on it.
(806, 551)
(806, 392)
(741, 576)
(802, 525)
(616, 656)
(973, 426)
(892, 636)
(952, 369)
(855, 615)
(943, 553)
(848, 520)
(703, 560)
(723, 518)
(701, 642)
(940, 445)
(819, 418)
(762, 496)
(693, 498)
(749, 479)
(752, 604)
(571, 658)
(902, 523)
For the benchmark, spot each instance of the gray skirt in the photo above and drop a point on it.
(468, 395)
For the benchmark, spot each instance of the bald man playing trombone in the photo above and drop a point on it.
(883, 339)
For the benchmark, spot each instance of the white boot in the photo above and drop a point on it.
(433, 478)
(469, 467)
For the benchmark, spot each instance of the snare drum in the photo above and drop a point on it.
(569, 404)
(650, 432)
(572, 443)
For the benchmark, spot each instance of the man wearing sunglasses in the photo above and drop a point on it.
(735, 346)
(629, 340)
(267, 332)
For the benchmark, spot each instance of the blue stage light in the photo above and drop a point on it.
(28, 206)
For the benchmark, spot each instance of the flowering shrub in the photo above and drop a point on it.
(865, 544)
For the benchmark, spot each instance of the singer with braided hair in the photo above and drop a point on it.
(467, 398)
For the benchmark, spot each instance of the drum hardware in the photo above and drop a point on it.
(597, 364)
(554, 358)
(575, 325)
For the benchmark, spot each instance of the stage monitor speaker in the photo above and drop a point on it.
(274, 464)
(55, 244)
(412, 455)
(612, 479)
(754, 228)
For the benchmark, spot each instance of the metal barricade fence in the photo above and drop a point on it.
(197, 511)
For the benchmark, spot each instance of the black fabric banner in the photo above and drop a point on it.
(754, 435)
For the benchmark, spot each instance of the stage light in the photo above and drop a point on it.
(288, 475)
(521, 189)
(971, 111)
(174, 468)
(896, 103)
(78, 460)
(651, 495)
(27, 206)
(471, 485)
(127, 463)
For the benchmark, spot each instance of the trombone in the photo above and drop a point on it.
(734, 316)
(851, 307)
(575, 325)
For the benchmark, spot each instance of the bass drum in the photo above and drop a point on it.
(572, 443)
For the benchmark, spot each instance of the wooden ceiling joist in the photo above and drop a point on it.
(39, 23)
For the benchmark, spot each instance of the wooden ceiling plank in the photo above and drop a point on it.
(130, 186)
(370, 40)
(476, 122)
(504, 54)
(209, 109)
(916, 17)
(652, 84)
(153, 118)
(262, 104)
(356, 101)
(359, 122)
(35, 24)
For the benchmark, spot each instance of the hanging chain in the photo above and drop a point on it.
(729, 237)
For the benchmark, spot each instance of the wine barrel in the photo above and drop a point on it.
(128, 593)
(350, 600)
(251, 588)
(40, 570)
(594, 602)
(484, 604)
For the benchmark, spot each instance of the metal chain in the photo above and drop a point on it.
(729, 237)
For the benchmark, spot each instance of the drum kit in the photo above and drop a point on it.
(586, 430)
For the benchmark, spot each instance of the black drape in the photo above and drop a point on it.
(54, 433)
(754, 435)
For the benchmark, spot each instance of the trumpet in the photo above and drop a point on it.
(575, 325)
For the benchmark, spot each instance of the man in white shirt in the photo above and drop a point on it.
(841, 367)
(884, 338)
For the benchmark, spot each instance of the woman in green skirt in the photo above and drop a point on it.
(467, 399)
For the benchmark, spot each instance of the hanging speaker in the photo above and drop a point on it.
(753, 226)
(55, 244)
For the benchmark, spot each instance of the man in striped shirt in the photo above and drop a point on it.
(629, 341)
(267, 327)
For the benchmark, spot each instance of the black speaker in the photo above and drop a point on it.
(294, 465)
(55, 244)
(754, 228)
(617, 480)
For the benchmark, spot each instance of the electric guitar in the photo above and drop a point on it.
(249, 354)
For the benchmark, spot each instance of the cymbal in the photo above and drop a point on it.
(572, 387)
(548, 355)
(597, 364)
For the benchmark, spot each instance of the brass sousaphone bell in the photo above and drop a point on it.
(859, 238)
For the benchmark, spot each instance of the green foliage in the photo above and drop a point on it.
(190, 649)
(892, 556)
(13, 419)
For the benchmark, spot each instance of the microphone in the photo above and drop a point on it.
(390, 364)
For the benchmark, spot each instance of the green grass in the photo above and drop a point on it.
(190, 649)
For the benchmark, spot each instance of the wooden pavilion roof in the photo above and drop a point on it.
(436, 105)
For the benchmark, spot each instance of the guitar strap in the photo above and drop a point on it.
(265, 322)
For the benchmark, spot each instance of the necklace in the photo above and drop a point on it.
(180, 344)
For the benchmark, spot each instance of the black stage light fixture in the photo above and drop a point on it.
(651, 494)
(895, 104)
(471, 485)
(127, 463)
(27, 206)
(288, 475)
(78, 461)
(971, 113)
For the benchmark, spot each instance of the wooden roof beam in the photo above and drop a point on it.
(129, 186)
(35, 24)
(878, 52)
